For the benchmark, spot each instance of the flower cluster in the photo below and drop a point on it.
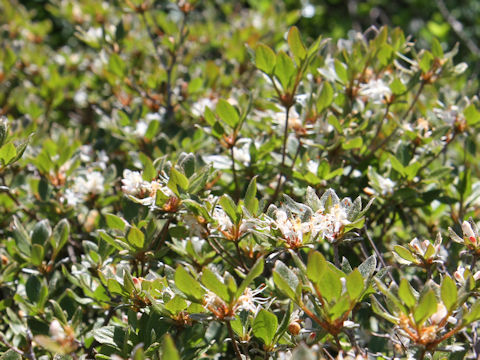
(141, 191)
(301, 226)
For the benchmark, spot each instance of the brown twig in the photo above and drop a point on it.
(234, 342)
(457, 27)
(379, 255)
(235, 178)
(284, 155)
(10, 346)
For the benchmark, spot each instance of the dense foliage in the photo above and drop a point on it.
(204, 180)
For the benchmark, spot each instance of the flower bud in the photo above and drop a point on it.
(294, 328)
(468, 232)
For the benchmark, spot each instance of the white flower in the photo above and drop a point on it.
(222, 219)
(140, 128)
(86, 152)
(157, 116)
(56, 331)
(213, 303)
(439, 315)
(292, 228)
(249, 301)
(329, 225)
(285, 355)
(198, 109)
(328, 71)
(93, 35)
(193, 226)
(420, 247)
(92, 183)
(71, 197)
(449, 116)
(242, 151)
(102, 159)
(312, 166)
(387, 185)
(460, 275)
(80, 98)
(133, 183)
(376, 90)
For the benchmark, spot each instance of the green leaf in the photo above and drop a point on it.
(60, 235)
(38, 252)
(316, 266)
(209, 117)
(406, 293)
(188, 285)
(397, 165)
(354, 143)
(149, 172)
(104, 335)
(341, 71)
(58, 312)
(135, 237)
(212, 283)
(355, 284)
(255, 272)
(116, 64)
(227, 113)
(426, 307)
(3, 132)
(251, 202)
(115, 222)
(7, 153)
(229, 207)
(264, 326)
(10, 355)
(426, 62)
(176, 305)
(312, 199)
(385, 54)
(285, 279)
(22, 240)
(329, 285)
(437, 48)
(377, 309)
(397, 87)
(9, 59)
(296, 45)
(231, 285)
(169, 351)
(325, 98)
(339, 307)
(367, 268)
(33, 288)
(285, 70)
(198, 180)
(404, 253)
(449, 293)
(473, 314)
(472, 115)
(41, 232)
(265, 59)
(177, 179)
(128, 283)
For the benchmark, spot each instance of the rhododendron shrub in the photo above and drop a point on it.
(189, 180)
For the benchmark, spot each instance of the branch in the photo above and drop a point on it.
(457, 27)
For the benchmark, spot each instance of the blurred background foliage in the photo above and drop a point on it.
(196, 96)
(449, 21)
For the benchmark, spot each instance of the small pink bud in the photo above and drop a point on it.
(468, 232)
